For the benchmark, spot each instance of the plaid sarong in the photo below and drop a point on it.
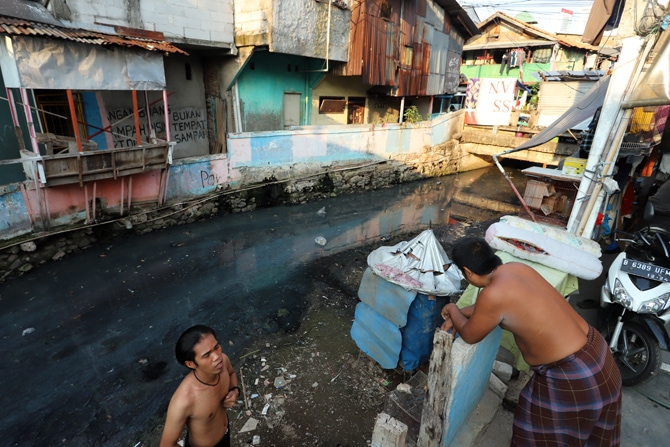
(573, 402)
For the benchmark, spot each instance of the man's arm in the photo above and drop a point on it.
(483, 318)
(234, 389)
(174, 425)
(448, 323)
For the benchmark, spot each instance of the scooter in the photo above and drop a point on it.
(635, 302)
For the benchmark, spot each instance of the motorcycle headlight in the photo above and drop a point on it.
(654, 305)
(619, 295)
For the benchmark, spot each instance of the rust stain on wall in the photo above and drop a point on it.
(391, 45)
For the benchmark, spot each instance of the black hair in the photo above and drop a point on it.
(475, 254)
(187, 341)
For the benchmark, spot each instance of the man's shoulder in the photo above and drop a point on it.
(183, 395)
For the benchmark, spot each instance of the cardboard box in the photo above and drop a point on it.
(573, 166)
(536, 191)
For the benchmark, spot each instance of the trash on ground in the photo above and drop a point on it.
(280, 381)
(404, 388)
(250, 425)
(321, 240)
(322, 211)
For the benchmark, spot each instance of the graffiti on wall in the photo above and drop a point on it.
(186, 125)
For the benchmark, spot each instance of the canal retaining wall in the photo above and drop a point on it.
(262, 169)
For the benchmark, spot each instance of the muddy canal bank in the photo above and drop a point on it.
(332, 391)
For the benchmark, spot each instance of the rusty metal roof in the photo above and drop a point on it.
(22, 27)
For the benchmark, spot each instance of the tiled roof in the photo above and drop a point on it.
(21, 27)
(538, 31)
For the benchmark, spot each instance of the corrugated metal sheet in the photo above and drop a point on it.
(357, 33)
(21, 27)
(558, 97)
(393, 52)
(409, 21)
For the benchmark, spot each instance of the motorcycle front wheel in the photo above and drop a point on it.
(638, 354)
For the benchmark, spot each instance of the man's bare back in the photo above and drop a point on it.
(517, 298)
(573, 396)
(546, 328)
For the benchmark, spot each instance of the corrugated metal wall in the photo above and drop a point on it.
(413, 54)
(557, 97)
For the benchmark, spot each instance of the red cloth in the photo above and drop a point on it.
(660, 118)
(628, 200)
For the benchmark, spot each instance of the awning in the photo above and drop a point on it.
(653, 88)
(581, 111)
(38, 63)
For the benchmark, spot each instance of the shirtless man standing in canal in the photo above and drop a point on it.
(208, 390)
(574, 395)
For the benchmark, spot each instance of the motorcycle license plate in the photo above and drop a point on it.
(645, 270)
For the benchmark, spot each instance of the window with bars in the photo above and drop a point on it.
(54, 112)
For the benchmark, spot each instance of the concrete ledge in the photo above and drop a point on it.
(479, 420)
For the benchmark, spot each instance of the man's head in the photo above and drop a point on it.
(475, 254)
(185, 345)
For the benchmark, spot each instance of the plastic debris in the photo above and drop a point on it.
(256, 440)
(404, 388)
(265, 409)
(322, 211)
(27, 331)
(321, 240)
(250, 425)
(280, 381)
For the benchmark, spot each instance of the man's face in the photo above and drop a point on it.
(208, 355)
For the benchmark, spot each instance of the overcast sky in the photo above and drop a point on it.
(546, 12)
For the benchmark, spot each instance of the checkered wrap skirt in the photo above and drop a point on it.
(573, 402)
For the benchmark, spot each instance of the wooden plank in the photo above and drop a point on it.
(389, 432)
(438, 392)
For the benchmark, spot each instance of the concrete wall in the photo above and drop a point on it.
(263, 83)
(471, 369)
(197, 21)
(187, 111)
(297, 27)
(336, 86)
(290, 166)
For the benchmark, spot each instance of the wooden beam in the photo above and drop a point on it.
(438, 392)
(136, 114)
(389, 432)
(75, 124)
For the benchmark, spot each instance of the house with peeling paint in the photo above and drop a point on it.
(64, 151)
(343, 62)
(509, 47)
(116, 111)
(509, 67)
